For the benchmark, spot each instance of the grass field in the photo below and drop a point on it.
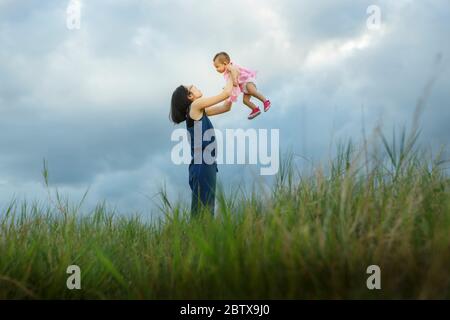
(313, 236)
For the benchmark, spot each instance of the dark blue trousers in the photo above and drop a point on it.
(202, 180)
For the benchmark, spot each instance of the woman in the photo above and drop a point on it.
(188, 104)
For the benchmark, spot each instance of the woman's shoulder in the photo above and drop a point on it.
(190, 120)
(198, 105)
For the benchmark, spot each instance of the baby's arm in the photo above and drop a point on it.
(234, 74)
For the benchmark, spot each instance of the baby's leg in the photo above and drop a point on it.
(247, 101)
(251, 89)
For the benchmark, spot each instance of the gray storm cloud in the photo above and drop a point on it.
(94, 102)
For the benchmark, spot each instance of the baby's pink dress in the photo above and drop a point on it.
(245, 76)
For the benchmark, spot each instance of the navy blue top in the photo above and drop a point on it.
(193, 126)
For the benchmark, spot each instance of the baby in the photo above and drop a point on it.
(244, 80)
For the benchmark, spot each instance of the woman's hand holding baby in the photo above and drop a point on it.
(228, 88)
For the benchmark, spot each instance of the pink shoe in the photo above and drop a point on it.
(266, 105)
(255, 112)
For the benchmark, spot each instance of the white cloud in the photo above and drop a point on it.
(333, 51)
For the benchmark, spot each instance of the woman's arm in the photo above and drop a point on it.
(203, 103)
(218, 109)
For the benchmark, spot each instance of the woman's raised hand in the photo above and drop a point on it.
(206, 102)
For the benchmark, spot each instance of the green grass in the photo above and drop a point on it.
(312, 236)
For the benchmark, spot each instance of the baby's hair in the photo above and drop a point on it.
(223, 57)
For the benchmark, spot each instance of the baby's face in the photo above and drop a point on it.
(220, 66)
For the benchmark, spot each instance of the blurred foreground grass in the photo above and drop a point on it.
(312, 236)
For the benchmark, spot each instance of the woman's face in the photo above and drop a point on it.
(193, 92)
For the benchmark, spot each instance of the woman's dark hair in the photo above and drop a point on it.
(180, 104)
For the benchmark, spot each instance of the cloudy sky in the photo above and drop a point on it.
(93, 102)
